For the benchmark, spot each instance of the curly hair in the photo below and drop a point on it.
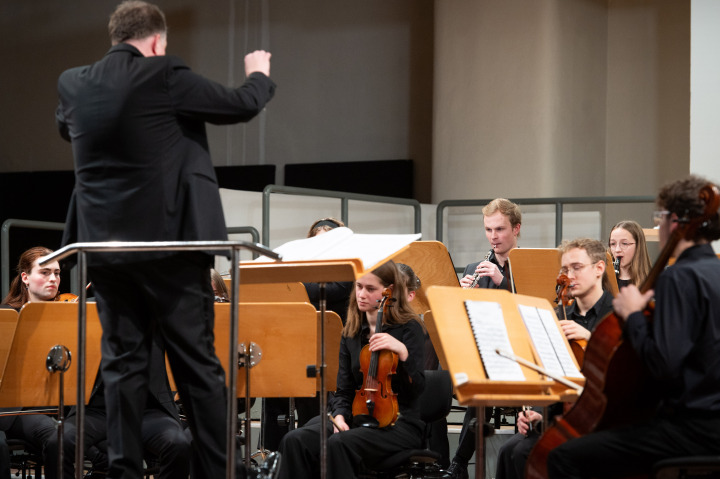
(682, 197)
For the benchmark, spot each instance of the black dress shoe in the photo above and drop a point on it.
(457, 471)
(268, 469)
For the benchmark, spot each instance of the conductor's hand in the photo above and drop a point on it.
(380, 341)
(339, 420)
(630, 300)
(573, 330)
(257, 61)
(527, 418)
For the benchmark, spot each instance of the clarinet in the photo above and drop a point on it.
(616, 266)
(476, 276)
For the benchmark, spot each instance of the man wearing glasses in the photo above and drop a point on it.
(583, 261)
(680, 348)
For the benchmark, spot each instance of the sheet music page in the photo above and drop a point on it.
(490, 331)
(342, 243)
(309, 248)
(548, 341)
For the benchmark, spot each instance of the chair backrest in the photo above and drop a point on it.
(436, 398)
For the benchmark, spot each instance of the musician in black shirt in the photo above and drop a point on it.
(502, 220)
(680, 347)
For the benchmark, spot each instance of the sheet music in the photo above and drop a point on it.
(342, 243)
(490, 331)
(548, 341)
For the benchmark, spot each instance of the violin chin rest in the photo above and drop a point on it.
(365, 420)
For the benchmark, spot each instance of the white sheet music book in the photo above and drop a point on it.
(342, 243)
(490, 331)
(548, 341)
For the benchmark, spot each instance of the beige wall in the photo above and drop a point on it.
(516, 98)
(560, 97)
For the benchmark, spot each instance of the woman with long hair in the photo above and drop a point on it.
(33, 283)
(352, 446)
(627, 243)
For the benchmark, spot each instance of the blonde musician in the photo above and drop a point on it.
(350, 446)
(502, 220)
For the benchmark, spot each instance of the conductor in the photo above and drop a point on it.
(136, 122)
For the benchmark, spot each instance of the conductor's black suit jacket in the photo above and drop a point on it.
(142, 163)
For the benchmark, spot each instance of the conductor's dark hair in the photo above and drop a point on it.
(135, 19)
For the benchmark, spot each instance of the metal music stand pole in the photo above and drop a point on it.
(323, 392)
(80, 402)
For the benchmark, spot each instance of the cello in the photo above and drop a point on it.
(375, 404)
(618, 389)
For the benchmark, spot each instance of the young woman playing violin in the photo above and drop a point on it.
(351, 447)
(627, 244)
(33, 283)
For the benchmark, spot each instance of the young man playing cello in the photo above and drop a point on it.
(679, 347)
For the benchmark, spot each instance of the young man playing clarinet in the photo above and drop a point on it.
(502, 220)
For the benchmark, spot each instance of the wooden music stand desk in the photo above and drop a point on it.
(287, 335)
(26, 382)
(450, 330)
(432, 264)
(535, 271)
(8, 323)
(271, 292)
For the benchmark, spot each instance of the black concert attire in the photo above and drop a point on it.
(348, 451)
(680, 348)
(143, 173)
(4, 457)
(623, 282)
(36, 430)
(163, 439)
(513, 454)
(466, 442)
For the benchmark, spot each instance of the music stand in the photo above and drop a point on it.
(450, 331)
(43, 342)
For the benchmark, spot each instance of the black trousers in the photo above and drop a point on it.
(347, 451)
(513, 455)
(36, 430)
(174, 296)
(163, 439)
(632, 450)
(4, 457)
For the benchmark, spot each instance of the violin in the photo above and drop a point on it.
(563, 300)
(618, 389)
(67, 298)
(375, 404)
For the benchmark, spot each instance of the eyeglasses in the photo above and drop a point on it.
(658, 216)
(575, 268)
(623, 245)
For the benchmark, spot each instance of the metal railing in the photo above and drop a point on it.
(344, 200)
(114, 247)
(47, 225)
(558, 202)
